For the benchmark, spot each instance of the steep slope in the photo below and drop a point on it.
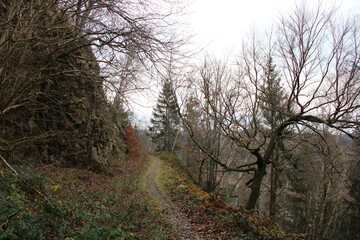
(211, 217)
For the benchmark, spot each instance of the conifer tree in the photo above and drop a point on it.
(272, 100)
(165, 120)
(272, 95)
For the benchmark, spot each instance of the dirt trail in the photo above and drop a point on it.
(178, 220)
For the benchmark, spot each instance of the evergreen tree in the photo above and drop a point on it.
(165, 120)
(272, 100)
(272, 96)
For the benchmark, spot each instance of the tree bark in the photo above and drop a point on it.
(274, 179)
(256, 185)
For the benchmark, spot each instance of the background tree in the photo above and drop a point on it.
(272, 99)
(206, 84)
(131, 139)
(315, 200)
(165, 121)
(349, 226)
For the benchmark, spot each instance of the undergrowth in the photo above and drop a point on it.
(211, 214)
(70, 204)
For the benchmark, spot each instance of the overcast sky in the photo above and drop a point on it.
(220, 25)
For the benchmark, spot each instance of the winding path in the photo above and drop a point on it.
(179, 222)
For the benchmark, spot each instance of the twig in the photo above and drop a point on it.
(9, 166)
(8, 218)
(23, 182)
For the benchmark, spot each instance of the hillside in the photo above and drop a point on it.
(209, 216)
(279, 140)
(47, 202)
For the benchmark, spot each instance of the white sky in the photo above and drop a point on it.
(220, 25)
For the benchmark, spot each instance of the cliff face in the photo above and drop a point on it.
(52, 107)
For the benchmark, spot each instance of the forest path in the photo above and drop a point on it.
(179, 221)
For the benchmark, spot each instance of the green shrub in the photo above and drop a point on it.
(73, 213)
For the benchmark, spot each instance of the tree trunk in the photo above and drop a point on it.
(255, 186)
(274, 180)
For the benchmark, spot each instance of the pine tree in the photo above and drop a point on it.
(271, 102)
(272, 96)
(165, 121)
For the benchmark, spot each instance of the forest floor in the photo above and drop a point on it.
(141, 197)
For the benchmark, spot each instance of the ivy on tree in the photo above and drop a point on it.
(165, 120)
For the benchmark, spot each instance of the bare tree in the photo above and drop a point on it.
(204, 87)
(318, 61)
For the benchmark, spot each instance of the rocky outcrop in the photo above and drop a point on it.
(53, 108)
